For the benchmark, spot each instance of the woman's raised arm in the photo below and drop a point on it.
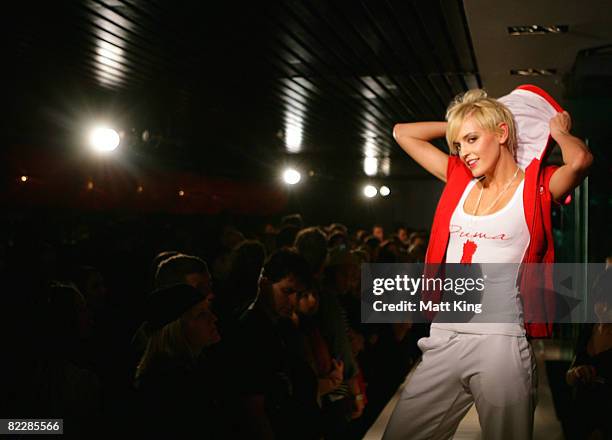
(577, 158)
(414, 139)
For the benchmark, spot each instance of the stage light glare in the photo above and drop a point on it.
(384, 191)
(293, 138)
(104, 139)
(24, 178)
(369, 191)
(291, 176)
(370, 166)
(181, 193)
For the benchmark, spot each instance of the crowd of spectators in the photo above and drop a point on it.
(170, 329)
(184, 328)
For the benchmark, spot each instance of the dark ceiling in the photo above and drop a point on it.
(235, 89)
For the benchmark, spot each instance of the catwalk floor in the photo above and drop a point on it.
(546, 427)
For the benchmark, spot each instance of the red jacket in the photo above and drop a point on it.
(532, 109)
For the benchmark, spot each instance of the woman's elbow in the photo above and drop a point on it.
(403, 129)
(582, 162)
(396, 130)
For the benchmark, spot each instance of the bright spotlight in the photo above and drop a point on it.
(291, 176)
(24, 178)
(370, 166)
(369, 191)
(384, 191)
(104, 139)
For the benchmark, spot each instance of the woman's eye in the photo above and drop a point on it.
(470, 140)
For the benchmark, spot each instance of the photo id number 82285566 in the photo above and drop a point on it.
(31, 426)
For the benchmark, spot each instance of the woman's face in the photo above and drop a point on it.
(200, 325)
(479, 149)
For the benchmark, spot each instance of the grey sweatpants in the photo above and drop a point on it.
(496, 372)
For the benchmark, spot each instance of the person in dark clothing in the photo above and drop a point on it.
(277, 386)
(590, 374)
(176, 269)
(240, 288)
(60, 383)
(174, 393)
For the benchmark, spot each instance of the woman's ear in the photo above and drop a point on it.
(502, 132)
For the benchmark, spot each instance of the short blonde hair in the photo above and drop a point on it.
(487, 112)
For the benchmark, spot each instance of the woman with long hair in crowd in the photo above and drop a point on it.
(174, 392)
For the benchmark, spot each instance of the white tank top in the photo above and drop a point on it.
(501, 237)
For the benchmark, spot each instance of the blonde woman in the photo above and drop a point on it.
(175, 392)
(495, 208)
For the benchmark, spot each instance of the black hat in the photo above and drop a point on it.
(168, 303)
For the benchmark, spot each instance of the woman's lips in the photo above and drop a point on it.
(472, 163)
